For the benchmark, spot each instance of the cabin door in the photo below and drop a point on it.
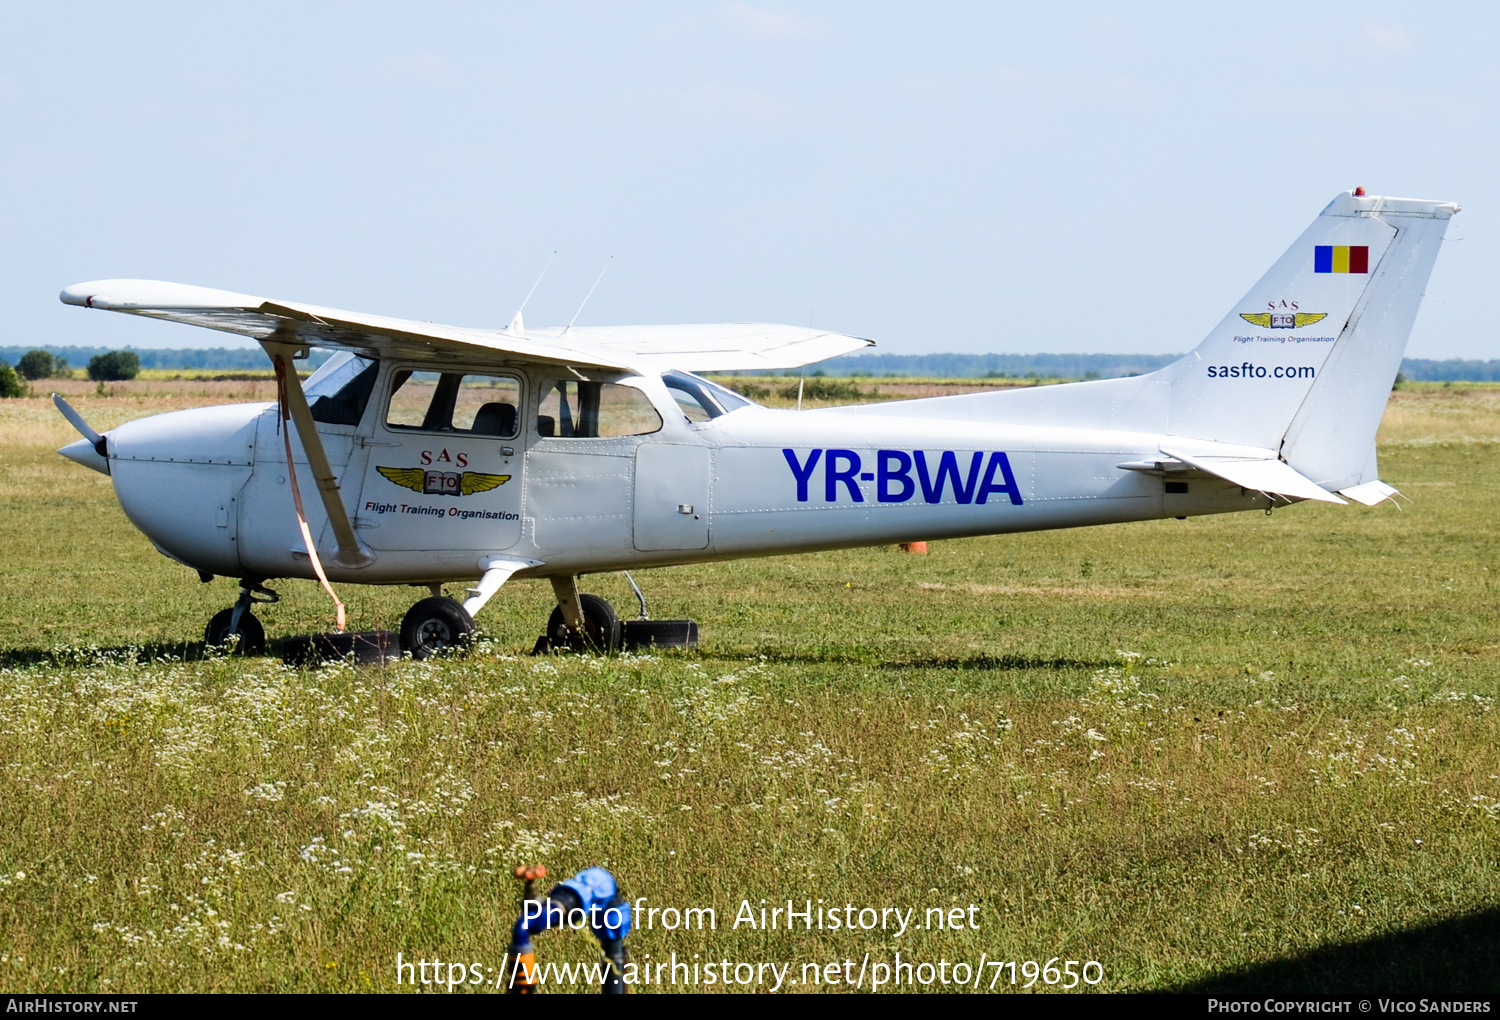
(443, 469)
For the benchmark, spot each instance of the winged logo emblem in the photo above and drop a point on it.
(443, 483)
(1283, 320)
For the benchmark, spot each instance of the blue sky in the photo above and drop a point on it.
(940, 177)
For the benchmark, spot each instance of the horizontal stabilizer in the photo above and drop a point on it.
(1370, 493)
(1269, 475)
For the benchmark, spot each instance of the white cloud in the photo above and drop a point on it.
(751, 104)
(925, 86)
(1119, 89)
(1375, 38)
(1312, 103)
(424, 66)
(713, 102)
(1123, 87)
(766, 24)
(238, 138)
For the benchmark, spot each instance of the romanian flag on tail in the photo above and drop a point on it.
(1341, 258)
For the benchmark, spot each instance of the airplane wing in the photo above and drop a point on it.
(692, 348)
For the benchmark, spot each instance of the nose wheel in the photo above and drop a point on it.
(436, 625)
(236, 628)
(248, 638)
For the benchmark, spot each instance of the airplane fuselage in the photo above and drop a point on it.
(210, 487)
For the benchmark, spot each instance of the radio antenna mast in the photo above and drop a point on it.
(588, 295)
(516, 325)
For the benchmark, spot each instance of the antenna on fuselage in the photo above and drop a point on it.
(588, 295)
(803, 381)
(516, 325)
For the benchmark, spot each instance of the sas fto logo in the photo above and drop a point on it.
(899, 476)
(1283, 314)
(443, 483)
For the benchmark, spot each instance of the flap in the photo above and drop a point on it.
(720, 347)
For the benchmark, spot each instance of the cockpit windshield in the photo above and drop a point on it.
(699, 399)
(338, 392)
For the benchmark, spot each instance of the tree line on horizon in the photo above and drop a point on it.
(942, 365)
(39, 363)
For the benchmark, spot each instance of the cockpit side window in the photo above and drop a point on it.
(464, 402)
(339, 391)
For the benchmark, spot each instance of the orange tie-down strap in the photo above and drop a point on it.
(283, 423)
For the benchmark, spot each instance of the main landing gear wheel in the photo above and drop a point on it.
(601, 628)
(251, 635)
(435, 625)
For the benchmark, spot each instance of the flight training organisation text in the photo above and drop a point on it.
(898, 476)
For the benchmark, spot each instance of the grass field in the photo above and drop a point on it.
(1239, 752)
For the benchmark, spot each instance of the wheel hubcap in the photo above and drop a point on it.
(434, 634)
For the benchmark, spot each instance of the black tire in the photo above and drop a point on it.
(436, 625)
(252, 636)
(601, 624)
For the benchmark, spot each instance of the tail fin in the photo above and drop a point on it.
(1300, 370)
(1305, 362)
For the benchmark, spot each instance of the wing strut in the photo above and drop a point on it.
(350, 554)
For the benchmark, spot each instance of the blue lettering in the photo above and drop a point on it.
(802, 472)
(833, 476)
(902, 475)
(1001, 461)
(893, 476)
(948, 468)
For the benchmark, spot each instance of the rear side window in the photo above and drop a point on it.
(571, 409)
(465, 402)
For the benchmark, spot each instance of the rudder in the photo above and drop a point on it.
(1332, 437)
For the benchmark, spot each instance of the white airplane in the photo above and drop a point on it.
(443, 454)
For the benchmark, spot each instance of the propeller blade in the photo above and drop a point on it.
(76, 420)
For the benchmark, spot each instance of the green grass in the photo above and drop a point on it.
(1232, 749)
